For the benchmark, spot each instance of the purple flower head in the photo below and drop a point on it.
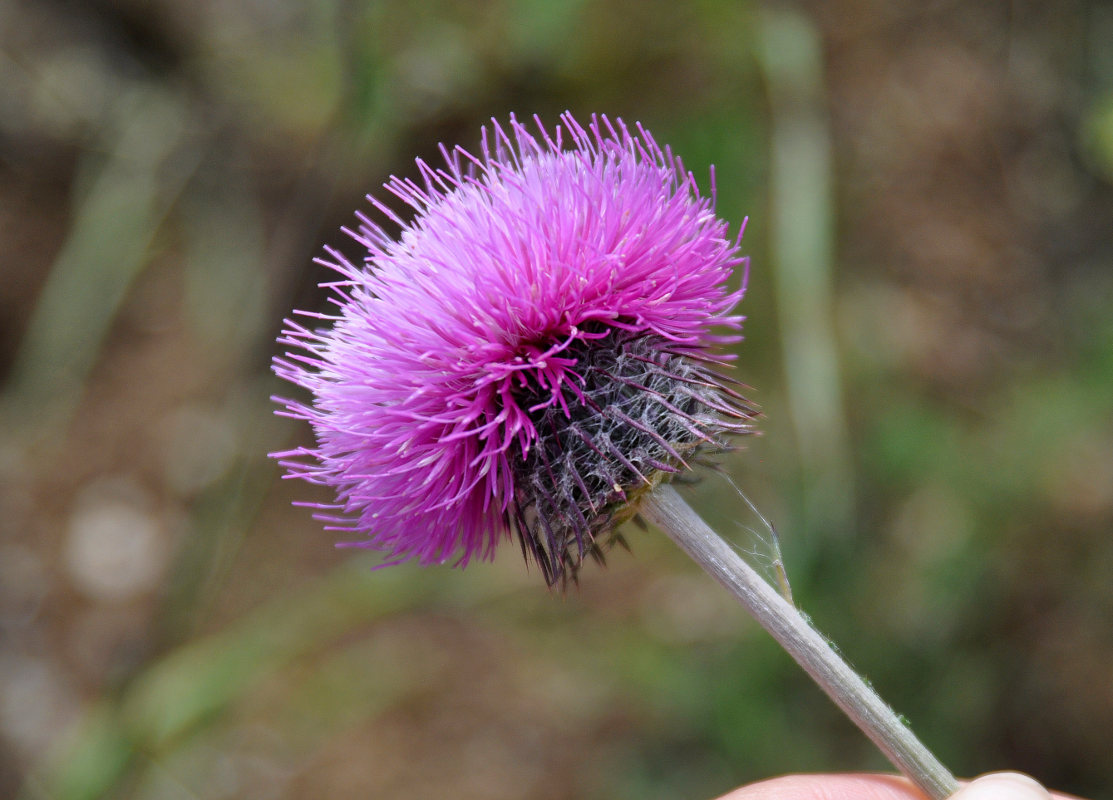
(527, 356)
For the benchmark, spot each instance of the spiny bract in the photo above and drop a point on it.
(531, 352)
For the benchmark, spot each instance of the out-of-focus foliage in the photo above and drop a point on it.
(930, 193)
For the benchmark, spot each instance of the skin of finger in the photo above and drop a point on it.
(1007, 784)
(836, 787)
(828, 787)
(1004, 786)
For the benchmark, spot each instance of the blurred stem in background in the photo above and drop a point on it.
(802, 250)
(131, 181)
(120, 740)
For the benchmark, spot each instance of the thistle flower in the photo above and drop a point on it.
(535, 355)
(531, 353)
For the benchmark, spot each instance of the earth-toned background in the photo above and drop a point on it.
(930, 336)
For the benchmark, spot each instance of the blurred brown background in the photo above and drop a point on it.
(930, 193)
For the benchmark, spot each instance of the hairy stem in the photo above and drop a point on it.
(668, 510)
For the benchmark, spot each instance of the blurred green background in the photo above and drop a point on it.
(930, 335)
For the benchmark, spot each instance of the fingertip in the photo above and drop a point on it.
(1003, 786)
(828, 787)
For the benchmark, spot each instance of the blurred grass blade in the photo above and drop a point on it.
(803, 253)
(98, 753)
(189, 688)
(114, 222)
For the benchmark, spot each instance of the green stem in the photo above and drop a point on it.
(668, 510)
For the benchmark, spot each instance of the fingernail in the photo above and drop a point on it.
(1003, 786)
